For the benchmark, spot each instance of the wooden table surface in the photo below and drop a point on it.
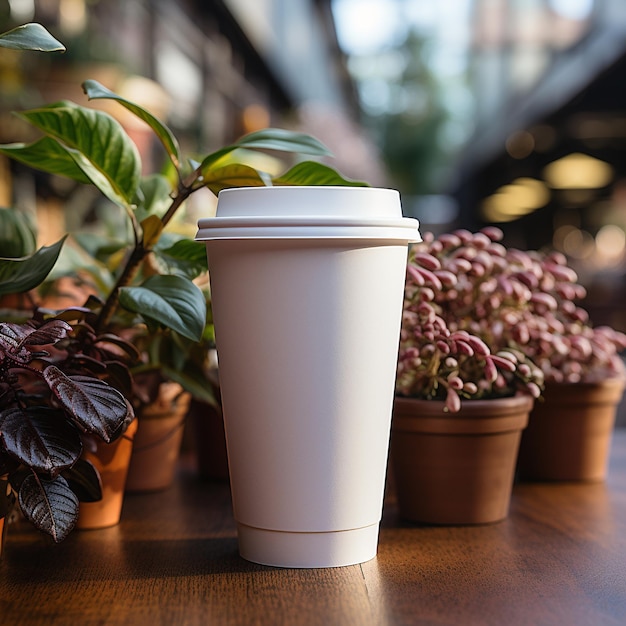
(560, 558)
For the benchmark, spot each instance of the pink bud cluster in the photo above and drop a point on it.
(519, 305)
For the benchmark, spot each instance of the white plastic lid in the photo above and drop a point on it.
(308, 213)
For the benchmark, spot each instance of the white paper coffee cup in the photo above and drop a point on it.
(307, 288)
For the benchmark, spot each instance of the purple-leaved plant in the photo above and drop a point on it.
(481, 321)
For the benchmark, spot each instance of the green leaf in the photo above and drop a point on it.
(97, 143)
(271, 139)
(152, 227)
(98, 246)
(156, 196)
(283, 140)
(192, 380)
(233, 175)
(31, 37)
(171, 301)
(313, 173)
(21, 275)
(89, 253)
(17, 234)
(49, 504)
(185, 258)
(47, 155)
(95, 91)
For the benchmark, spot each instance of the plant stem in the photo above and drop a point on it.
(176, 203)
(185, 189)
(139, 253)
(130, 270)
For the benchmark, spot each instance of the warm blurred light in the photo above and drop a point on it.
(146, 93)
(610, 242)
(520, 144)
(72, 16)
(530, 192)
(255, 117)
(578, 171)
(574, 242)
(560, 235)
(522, 196)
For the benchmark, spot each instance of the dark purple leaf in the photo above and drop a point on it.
(126, 346)
(96, 406)
(84, 480)
(48, 334)
(88, 364)
(41, 438)
(12, 334)
(49, 504)
(120, 377)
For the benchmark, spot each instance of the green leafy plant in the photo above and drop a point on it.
(17, 239)
(52, 390)
(152, 289)
(65, 376)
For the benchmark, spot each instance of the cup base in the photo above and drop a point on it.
(305, 549)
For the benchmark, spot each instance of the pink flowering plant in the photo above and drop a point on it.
(483, 321)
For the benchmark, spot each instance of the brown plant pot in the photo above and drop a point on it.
(569, 432)
(456, 468)
(158, 440)
(112, 461)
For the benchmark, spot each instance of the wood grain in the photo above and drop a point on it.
(560, 558)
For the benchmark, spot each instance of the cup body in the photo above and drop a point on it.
(307, 331)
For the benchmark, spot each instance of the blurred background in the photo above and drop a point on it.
(505, 112)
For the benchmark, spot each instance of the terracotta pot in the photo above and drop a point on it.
(158, 440)
(112, 461)
(569, 432)
(456, 468)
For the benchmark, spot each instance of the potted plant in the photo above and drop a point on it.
(518, 304)
(462, 400)
(570, 428)
(143, 283)
(59, 383)
(527, 300)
